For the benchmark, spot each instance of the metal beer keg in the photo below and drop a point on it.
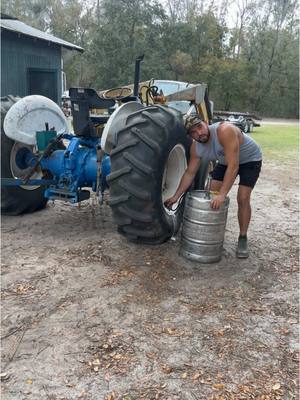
(203, 228)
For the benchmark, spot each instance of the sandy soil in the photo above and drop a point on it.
(88, 315)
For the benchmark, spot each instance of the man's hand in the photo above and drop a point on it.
(169, 202)
(217, 201)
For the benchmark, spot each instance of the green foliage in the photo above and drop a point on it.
(127, 29)
(73, 20)
(33, 12)
(252, 67)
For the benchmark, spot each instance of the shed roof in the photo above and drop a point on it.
(17, 26)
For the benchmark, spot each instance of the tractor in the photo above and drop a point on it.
(130, 140)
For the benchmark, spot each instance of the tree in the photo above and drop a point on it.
(250, 67)
(128, 29)
(35, 13)
(272, 50)
(75, 21)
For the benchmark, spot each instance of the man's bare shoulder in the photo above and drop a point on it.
(228, 127)
(227, 130)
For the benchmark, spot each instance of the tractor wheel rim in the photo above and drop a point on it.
(173, 171)
(17, 164)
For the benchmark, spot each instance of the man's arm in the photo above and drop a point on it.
(228, 137)
(187, 177)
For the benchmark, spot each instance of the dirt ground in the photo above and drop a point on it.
(88, 315)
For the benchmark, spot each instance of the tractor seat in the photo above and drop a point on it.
(84, 101)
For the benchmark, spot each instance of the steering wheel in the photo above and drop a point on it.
(153, 91)
(118, 93)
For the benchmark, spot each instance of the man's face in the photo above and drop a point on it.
(200, 133)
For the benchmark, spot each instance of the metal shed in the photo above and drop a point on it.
(31, 60)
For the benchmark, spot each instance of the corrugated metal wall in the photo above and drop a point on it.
(18, 55)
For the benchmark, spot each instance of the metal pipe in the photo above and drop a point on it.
(137, 73)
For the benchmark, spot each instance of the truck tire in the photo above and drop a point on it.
(16, 200)
(147, 163)
(251, 126)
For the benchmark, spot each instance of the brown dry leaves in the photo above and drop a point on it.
(248, 392)
(91, 253)
(113, 354)
(116, 278)
(172, 331)
(23, 288)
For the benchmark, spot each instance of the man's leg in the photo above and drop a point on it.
(244, 217)
(249, 173)
(244, 208)
(217, 176)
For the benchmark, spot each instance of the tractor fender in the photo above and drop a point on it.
(29, 115)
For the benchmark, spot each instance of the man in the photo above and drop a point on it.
(237, 154)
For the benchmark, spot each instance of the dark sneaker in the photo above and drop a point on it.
(242, 248)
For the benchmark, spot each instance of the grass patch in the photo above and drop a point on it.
(278, 142)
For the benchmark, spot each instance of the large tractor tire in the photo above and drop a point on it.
(147, 163)
(17, 200)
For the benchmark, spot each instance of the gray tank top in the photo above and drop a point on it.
(212, 151)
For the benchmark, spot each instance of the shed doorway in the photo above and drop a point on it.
(43, 82)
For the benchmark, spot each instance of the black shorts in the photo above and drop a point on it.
(248, 172)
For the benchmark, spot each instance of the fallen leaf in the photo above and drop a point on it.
(173, 332)
(4, 376)
(245, 389)
(196, 376)
(116, 333)
(167, 369)
(276, 386)
(111, 396)
(151, 355)
(218, 386)
(292, 321)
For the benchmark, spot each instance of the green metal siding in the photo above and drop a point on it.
(19, 54)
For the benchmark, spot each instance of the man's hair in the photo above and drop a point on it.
(191, 121)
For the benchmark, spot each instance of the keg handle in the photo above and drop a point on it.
(208, 183)
(207, 187)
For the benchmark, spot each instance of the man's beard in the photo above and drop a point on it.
(203, 139)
